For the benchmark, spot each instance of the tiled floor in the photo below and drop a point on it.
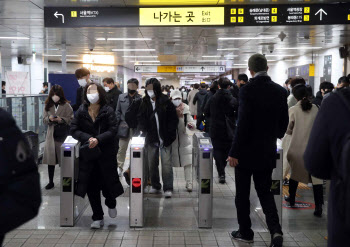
(168, 222)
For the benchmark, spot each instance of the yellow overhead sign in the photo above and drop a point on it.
(188, 16)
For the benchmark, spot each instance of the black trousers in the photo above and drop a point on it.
(262, 182)
(318, 192)
(221, 151)
(94, 194)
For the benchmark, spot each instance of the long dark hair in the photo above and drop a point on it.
(300, 92)
(101, 93)
(58, 91)
(157, 88)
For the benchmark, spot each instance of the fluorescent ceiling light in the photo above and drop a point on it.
(124, 39)
(99, 59)
(47, 55)
(155, 61)
(133, 49)
(211, 56)
(14, 38)
(74, 60)
(299, 48)
(141, 56)
(228, 49)
(245, 38)
(280, 55)
(205, 61)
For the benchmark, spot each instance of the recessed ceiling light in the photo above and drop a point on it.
(14, 38)
(299, 48)
(228, 49)
(124, 39)
(133, 49)
(140, 56)
(245, 38)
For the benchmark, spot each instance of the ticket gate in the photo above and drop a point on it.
(202, 157)
(137, 155)
(71, 206)
(277, 181)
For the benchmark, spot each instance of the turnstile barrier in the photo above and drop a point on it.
(137, 155)
(202, 157)
(277, 181)
(71, 206)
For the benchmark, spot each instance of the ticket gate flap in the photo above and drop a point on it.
(138, 141)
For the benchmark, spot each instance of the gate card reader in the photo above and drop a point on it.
(137, 154)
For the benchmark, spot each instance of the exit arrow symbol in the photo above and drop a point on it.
(137, 68)
(57, 14)
(321, 11)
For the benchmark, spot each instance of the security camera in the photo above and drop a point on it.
(91, 47)
(282, 36)
(271, 48)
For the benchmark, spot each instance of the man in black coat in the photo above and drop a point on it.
(328, 136)
(199, 99)
(83, 77)
(158, 119)
(112, 92)
(262, 118)
(20, 193)
(221, 111)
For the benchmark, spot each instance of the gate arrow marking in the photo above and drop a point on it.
(321, 11)
(57, 14)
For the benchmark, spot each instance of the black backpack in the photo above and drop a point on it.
(342, 185)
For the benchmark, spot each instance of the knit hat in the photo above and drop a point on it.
(175, 94)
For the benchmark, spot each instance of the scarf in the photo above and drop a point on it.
(180, 110)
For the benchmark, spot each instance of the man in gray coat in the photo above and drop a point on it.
(124, 132)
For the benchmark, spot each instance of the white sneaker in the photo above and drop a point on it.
(120, 172)
(112, 212)
(168, 194)
(146, 190)
(154, 191)
(189, 186)
(97, 224)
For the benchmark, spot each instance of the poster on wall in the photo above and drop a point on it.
(327, 69)
(17, 82)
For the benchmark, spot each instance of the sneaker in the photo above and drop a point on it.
(288, 199)
(97, 224)
(168, 194)
(120, 171)
(154, 191)
(318, 211)
(146, 190)
(112, 212)
(189, 186)
(222, 179)
(276, 240)
(49, 186)
(237, 235)
(127, 177)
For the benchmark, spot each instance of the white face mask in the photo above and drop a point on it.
(171, 89)
(55, 98)
(107, 89)
(82, 82)
(151, 93)
(183, 90)
(177, 102)
(93, 98)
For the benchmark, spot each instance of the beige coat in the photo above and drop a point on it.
(52, 148)
(299, 127)
(193, 107)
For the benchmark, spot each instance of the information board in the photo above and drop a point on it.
(234, 15)
(179, 69)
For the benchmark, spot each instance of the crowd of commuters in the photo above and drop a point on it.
(241, 118)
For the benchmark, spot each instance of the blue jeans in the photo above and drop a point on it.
(152, 166)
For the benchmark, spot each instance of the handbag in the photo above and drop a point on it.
(60, 132)
(123, 130)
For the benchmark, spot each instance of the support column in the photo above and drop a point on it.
(64, 59)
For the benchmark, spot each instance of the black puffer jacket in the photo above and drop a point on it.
(199, 99)
(82, 129)
(206, 109)
(167, 116)
(222, 108)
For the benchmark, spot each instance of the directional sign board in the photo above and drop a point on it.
(179, 69)
(235, 15)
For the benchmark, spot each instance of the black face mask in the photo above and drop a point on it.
(131, 91)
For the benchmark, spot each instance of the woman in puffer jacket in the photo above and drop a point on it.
(181, 147)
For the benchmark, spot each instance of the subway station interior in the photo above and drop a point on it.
(181, 44)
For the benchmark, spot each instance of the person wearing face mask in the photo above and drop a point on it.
(95, 127)
(45, 89)
(83, 77)
(58, 115)
(112, 92)
(182, 146)
(125, 133)
(158, 120)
